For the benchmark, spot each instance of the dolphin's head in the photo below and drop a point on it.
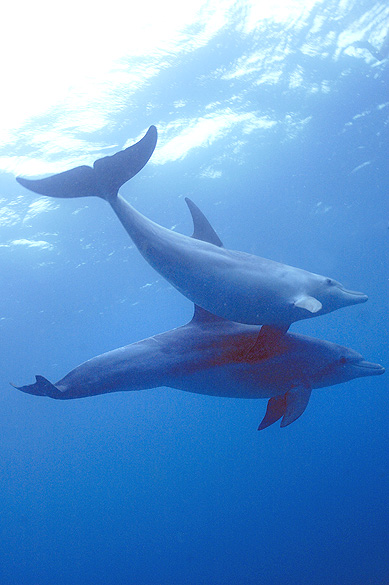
(345, 364)
(333, 295)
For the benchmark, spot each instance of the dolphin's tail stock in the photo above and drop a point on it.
(104, 179)
(42, 387)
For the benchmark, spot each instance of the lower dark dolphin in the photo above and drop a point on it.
(207, 356)
(234, 285)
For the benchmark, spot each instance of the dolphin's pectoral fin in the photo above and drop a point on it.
(104, 180)
(309, 303)
(42, 387)
(289, 406)
(274, 411)
(202, 229)
(296, 402)
(266, 345)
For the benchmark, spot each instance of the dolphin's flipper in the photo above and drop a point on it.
(42, 387)
(289, 406)
(202, 229)
(106, 177)
(274, 411)
(296, 402)
(309, 304)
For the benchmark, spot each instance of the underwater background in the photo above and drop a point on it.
(274, 120)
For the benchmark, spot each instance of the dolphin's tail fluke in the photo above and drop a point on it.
(42, 387)
(104, 179)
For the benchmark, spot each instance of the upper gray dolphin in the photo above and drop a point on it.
(234, 285)
(208, 356)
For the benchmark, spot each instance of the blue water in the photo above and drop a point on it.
(288, 158)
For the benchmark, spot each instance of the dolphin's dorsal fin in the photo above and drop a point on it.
(200, 315)
(104, 180)
(309, 304)
(289, 406)
(202, 229)
(267, 343)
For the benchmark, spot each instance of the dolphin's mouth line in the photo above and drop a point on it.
(369, 366)
(354, 297)
(354, 293)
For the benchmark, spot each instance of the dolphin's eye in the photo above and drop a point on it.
(329, 281)
(343, 360)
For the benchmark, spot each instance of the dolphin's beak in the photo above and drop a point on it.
(368, 368)
(354, 297)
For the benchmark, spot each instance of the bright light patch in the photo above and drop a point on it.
(276, 11)
(71, 52)
(296, 78)
(210, 173)
(41, 244)
(178, 138)
(79, 64)
(371, 28)
(39, 206)
(78, 54)
(8, 217)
